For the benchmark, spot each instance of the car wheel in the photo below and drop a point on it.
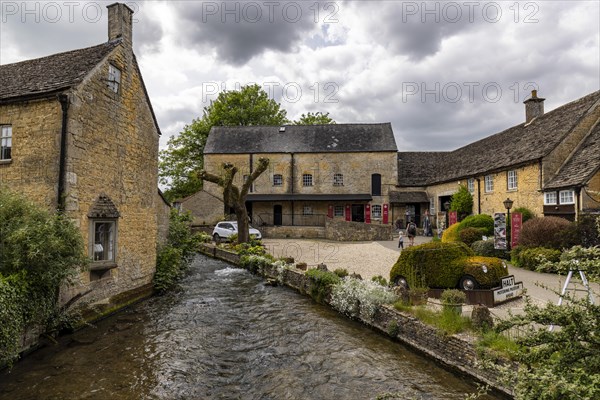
(467, 282)
(401, 281)
(217, 238)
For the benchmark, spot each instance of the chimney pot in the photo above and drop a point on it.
(534, 107)
(120, 19)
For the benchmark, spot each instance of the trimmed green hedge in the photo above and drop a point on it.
(495, 267)
(450, 234)
(425, 265)
(483, 221)
(529, 258)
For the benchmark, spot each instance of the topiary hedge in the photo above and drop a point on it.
(470, 235)
(487, 271)
(531, 258)
(483, 221)
(450, 234)
(424, 265)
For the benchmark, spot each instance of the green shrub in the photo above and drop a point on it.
(526, 213)
(487, 271)
(39, 252)
(321, 283)
(585, 259)
(248, 249)
(486, 248)
(585, 231)
(470, 235)
(256, 263)
(341, 272)
(462, 202)
(393, 329)
(483, 221)
(452, 297)
(450, 234)
(169, 268)
(380, 280)
(531, 258)
(358, 298)
(549, 232)
(173, 258)
(423, 265)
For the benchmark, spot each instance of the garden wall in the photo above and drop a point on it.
(456, 352)
(356, 231)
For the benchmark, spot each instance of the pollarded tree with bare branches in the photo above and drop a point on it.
(235, 197)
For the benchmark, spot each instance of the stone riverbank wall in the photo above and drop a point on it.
(455, 352)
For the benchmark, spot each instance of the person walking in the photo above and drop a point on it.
(411, 232)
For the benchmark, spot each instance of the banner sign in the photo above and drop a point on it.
(516, 223)
(368, 213)
(452, 218)
(441, 221)
(385, 213)
(500, 231)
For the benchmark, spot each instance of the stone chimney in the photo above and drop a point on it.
(120, 23)
(534, 107)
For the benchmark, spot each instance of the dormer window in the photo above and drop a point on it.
(114, 78)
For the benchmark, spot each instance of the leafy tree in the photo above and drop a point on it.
(562, 363)
(317, 118)
(235, 197)
(462, 202)
(184, 154)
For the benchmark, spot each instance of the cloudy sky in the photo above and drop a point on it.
(443, 73)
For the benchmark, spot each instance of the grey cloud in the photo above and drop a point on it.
(240, 30)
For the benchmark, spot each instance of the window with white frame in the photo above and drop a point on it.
(338, 211)
(5, 142)
(277, 180)
(550, 198)
(471, 185)
(376, 210)
(338, 180)
(489, 183)
(114, 78)
(567, 197)
(511, 180)
(104, 240)
(307, 180)
(307, 210)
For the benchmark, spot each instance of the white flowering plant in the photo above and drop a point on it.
(358, 298)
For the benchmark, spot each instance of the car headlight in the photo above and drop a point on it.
(504, 265)
(484, 268)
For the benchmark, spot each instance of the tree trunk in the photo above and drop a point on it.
(242, 220)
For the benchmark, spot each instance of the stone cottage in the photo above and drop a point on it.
(78, 135)
(340, 171)
(550, 164)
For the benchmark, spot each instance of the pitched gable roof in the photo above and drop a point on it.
(582, 165)
(51, 74)
(301, 139)
(521, 144)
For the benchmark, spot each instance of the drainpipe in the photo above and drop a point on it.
(478, 196)
(64, 104)
(292, 183)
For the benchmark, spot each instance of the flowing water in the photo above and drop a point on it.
(225, 335)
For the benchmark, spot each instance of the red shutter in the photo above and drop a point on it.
(385, 213)
(330, 211)
(368, 213)
(348, 213)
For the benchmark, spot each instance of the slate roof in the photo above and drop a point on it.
(32, 78)
(582, 165)
(408, 197)
(310, 197)
(519, 145)
(301, 139)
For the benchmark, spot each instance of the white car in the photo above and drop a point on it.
(223, 230)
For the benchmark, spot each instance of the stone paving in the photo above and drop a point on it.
(377, 258)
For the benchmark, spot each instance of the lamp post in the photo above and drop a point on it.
(508, 203)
